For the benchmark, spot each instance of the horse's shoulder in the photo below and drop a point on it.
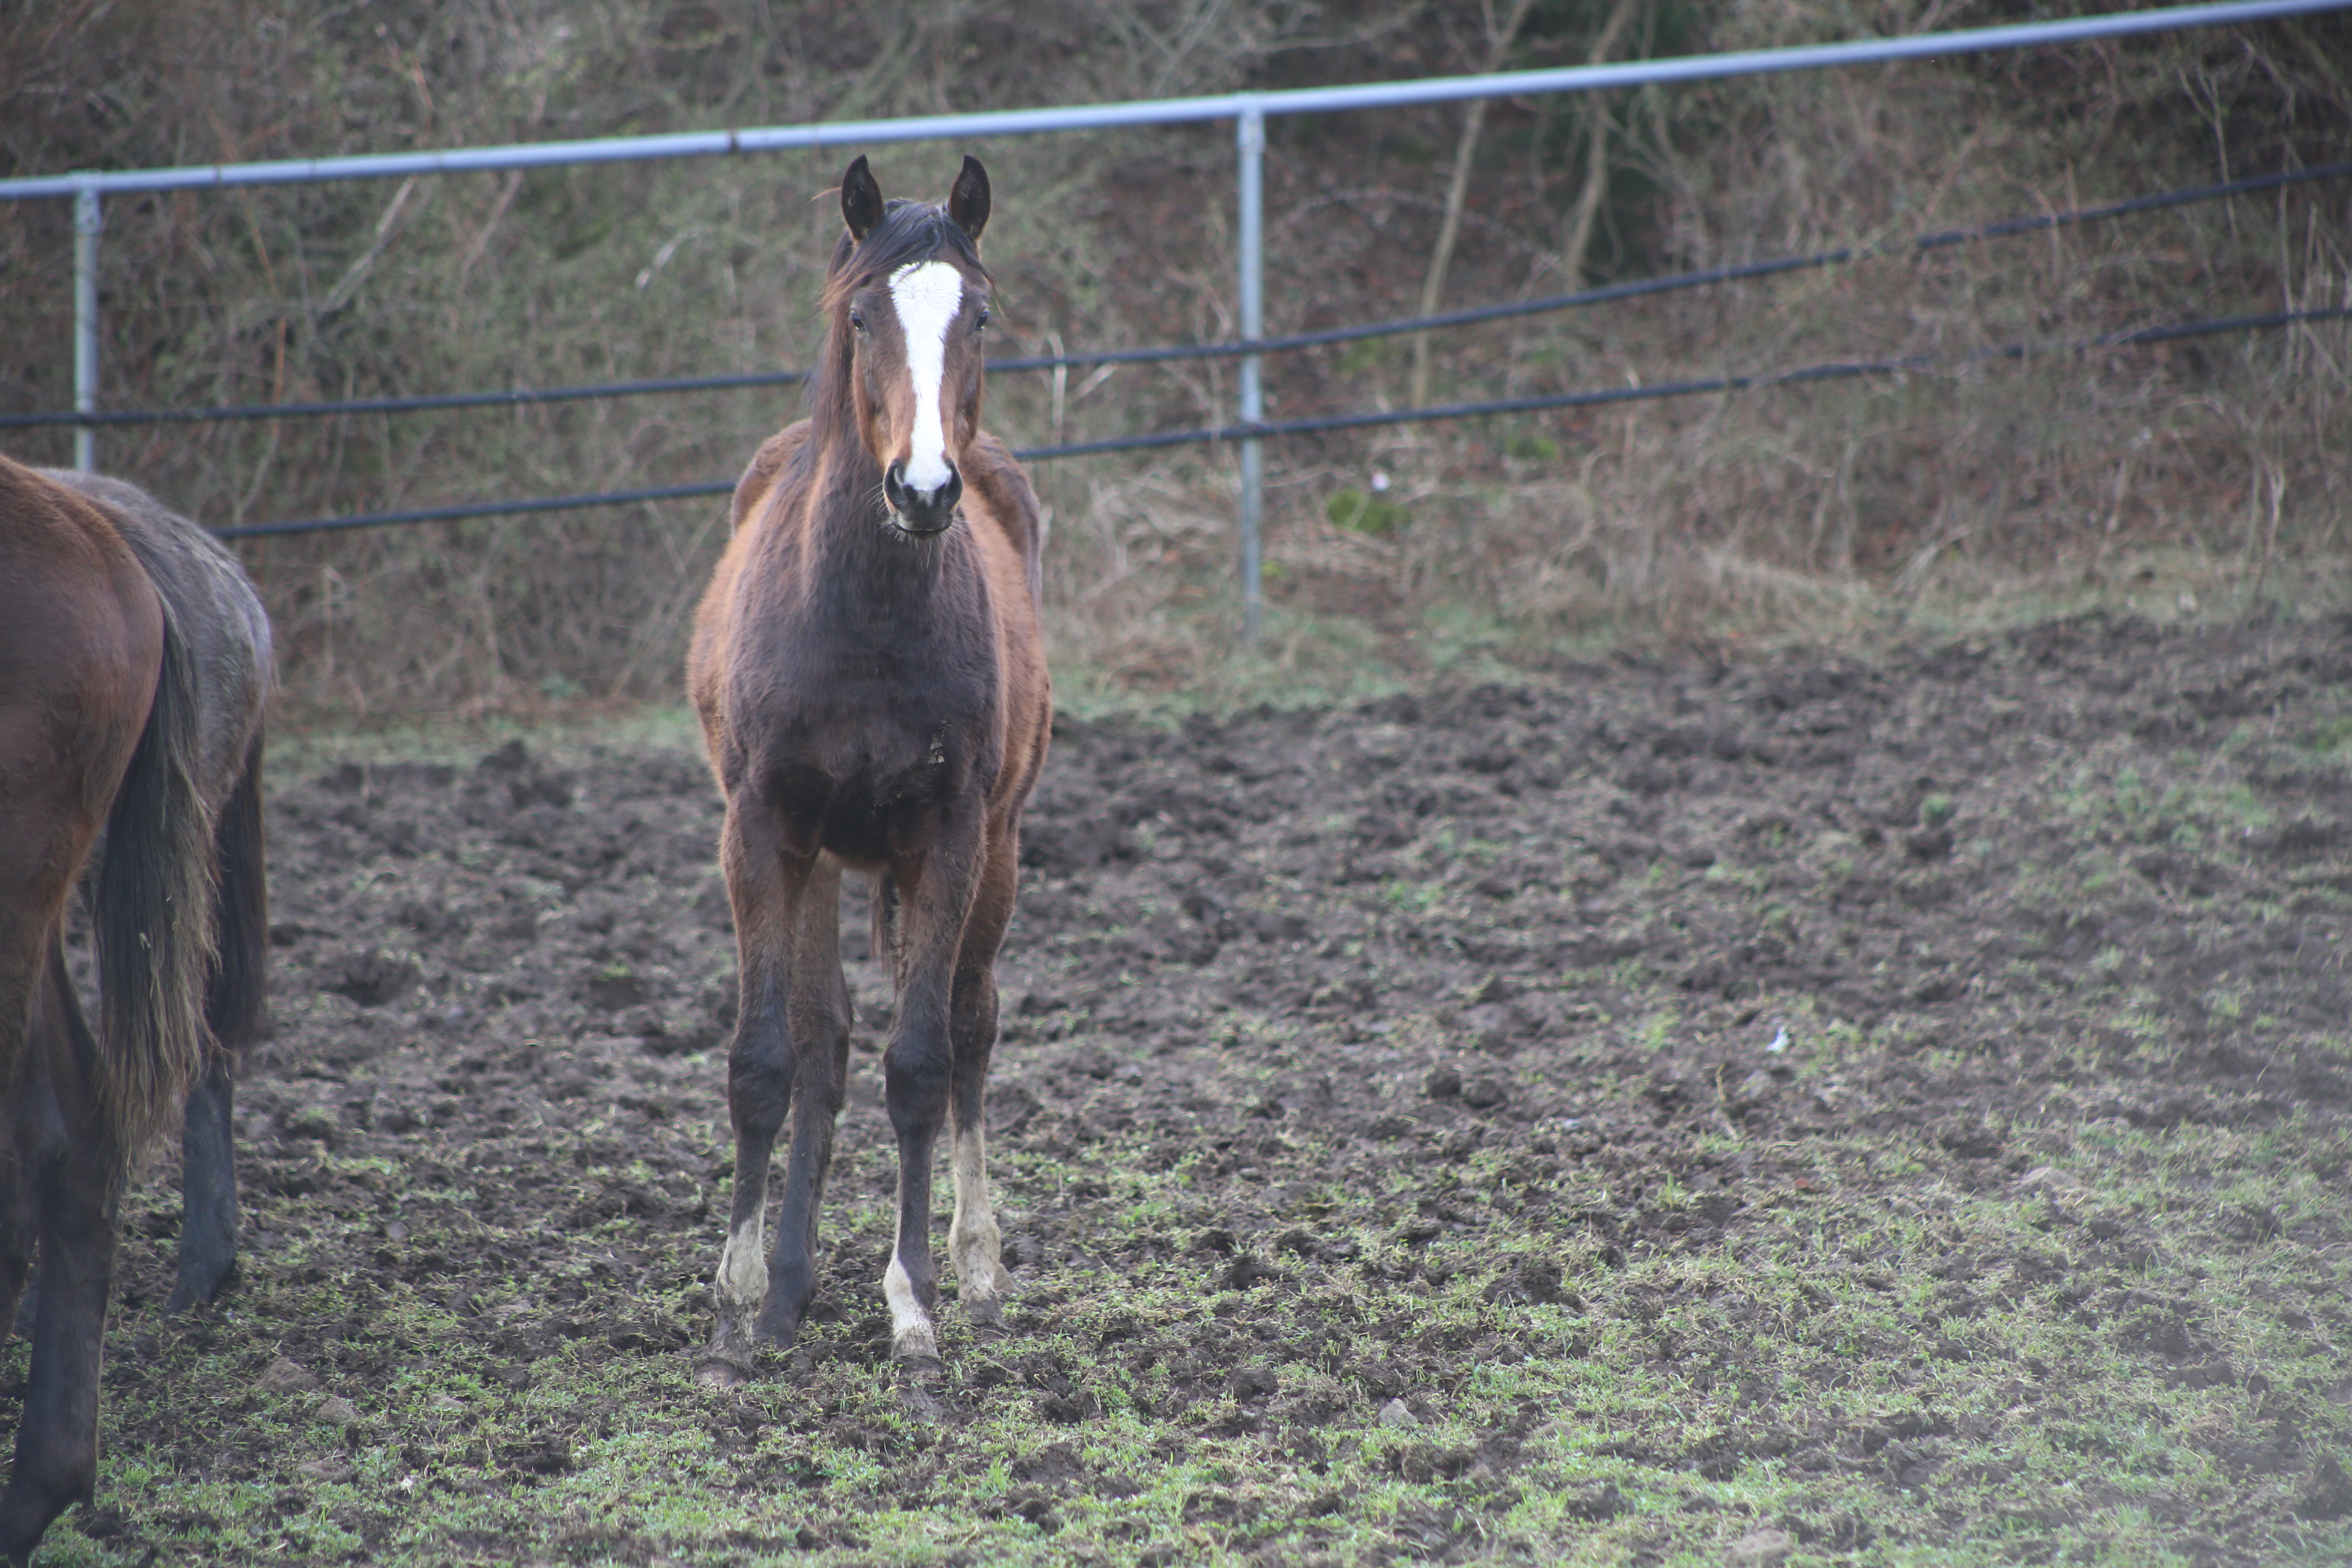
(758, 481)
(1010, 503)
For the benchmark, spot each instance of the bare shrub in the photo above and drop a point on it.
(1779, 508)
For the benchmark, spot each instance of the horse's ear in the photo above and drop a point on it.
(968, 199)
(861, 199)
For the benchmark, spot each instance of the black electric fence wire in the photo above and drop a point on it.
(1841, 370)
(1638, 288)
(1773, 266)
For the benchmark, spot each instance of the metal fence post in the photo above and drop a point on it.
(89, 217)
(1251, 133)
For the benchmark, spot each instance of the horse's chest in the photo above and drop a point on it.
(880, 764)
(864, 788)
(860, 715)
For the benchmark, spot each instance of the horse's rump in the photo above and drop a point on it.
(157, 881)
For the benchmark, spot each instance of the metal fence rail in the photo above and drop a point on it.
(1249, 111)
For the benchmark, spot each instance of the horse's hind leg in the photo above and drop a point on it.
(57, 1443)
(232, 991)
(973, 1246)
(57, 1440)
(208, 1189)
(18, 974)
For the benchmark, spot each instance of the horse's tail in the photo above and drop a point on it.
(152, 918)
(241, 904)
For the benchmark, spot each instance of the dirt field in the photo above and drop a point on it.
(1658, 1113)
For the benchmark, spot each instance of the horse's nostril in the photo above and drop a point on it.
(922, 511)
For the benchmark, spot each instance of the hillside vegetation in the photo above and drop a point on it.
(2204, 466)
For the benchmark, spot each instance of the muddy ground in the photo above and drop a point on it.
(1868, 1109)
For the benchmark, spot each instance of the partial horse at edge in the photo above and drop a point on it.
(135, 663)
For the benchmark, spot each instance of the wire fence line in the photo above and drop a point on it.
(514, 397)
(1836, 369)
(1608, 293)
(484, 509)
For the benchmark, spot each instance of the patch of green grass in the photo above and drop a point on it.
(1353, 511)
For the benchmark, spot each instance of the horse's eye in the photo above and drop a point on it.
(857, 320)
(983, 318)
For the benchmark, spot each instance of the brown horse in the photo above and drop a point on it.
(870, 673)
(134, 661)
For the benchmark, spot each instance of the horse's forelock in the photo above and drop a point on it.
(910, 232)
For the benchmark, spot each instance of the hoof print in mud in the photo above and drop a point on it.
(1483, 1093)
(615, 988)
(1929, 843)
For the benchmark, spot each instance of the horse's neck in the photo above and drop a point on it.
(848, 553)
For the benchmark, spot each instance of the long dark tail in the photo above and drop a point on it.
(153, 914)
(241, 927)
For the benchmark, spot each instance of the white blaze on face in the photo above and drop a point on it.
(928, 296)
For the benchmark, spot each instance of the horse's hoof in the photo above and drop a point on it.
(779, 1328)
(922, 1403)
(920, 1380)
(916, 1344)
(984, 1311)
(191, 1292)
(721, 1369)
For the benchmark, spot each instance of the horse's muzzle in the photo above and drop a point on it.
(921, 511)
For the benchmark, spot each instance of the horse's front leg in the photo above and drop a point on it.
(973, 1244)
(763, 884)
(937, 892)
(16, 1227)
(817, 1013)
